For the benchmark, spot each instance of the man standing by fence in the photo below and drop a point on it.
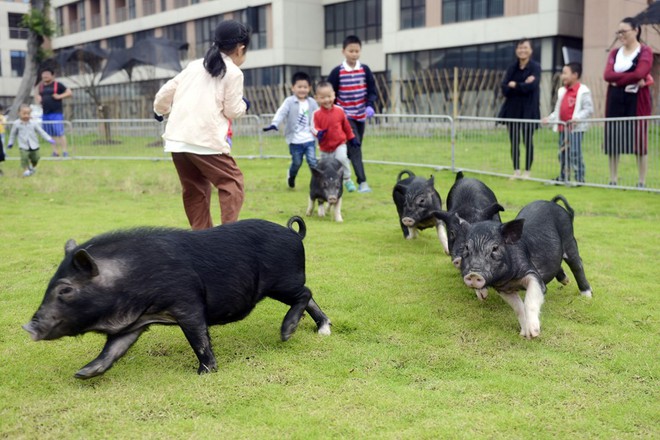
(50, 94)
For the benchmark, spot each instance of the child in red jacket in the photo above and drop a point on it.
(333, 130)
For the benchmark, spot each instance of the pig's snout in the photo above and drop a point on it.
(332, 200)
(408, 221)
(29, 327)
(474, 280)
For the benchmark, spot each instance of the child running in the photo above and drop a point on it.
(295, 112)
(25, 132)
(333, 130)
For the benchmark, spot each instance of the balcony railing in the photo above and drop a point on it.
(181, 3)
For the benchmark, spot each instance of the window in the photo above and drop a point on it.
(359, 17)
(116, 42)
(17, 62)
(413, 13)
(16, 30)
(131, 9)
(454, 11)
(82, 23)
(256, 19)
(494, 56)
(204, 28)
(175, 32)
(141, 35)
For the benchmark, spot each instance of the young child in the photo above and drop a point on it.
(201, 102)
(296, 111)
(573, 105)
(25, 131)
(333, 130)
(355, 87)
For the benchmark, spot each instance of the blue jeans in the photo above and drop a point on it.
(570, 155)
(297, 151)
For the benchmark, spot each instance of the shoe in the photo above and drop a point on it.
(291, 181)
(612, 183)
(350, 186)
(65, 154)
(55, 154)
(526, 174)
(516, 175)
(32, 170)
(640, 185)
(27, 173)
(364, 188)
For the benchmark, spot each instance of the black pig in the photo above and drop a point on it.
(416, 199)
(121, 282)
(510, 257)
(326, 186)
(470, 200)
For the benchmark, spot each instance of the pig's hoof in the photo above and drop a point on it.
(533, 331)
(324, 329)
(339, 220)
(565, 281)
(482, 294)
(89, 372)
(586, 293)
(205, 369)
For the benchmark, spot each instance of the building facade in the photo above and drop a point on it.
(399, 36)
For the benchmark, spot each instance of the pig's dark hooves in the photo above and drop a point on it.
(205, 369)
(87, 374)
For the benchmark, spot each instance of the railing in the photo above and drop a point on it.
(589, 152)
(121, 14)
(148, 7)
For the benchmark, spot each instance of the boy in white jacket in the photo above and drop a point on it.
(573, 106)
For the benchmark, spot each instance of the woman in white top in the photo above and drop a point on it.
(201, 101)
(628, 75)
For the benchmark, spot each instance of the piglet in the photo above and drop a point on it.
(122, 282)
(468, 200)
(416, 200)
(524, 254)
(326, 186)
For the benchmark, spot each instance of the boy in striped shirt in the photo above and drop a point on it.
(355, 88)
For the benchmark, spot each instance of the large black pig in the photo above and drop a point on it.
(524, 254)
(470, 200)
(416, 200)
(326, 186)
(121, 282)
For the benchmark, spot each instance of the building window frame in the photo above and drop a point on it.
(412, 14)
(363, 18)
(457, 11)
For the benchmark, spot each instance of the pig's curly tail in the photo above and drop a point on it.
(302, 228)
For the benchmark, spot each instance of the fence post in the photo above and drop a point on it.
(455, 97)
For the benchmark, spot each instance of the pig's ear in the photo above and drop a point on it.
(492, 210)
(431, 181)
(85, 263)
(70, 245)
(459, 176)
(512, 231)
(461, 221)
(316, 172)
(442, 215)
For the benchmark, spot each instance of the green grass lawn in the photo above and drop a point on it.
(413, 353)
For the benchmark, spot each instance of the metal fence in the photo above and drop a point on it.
(479, 145)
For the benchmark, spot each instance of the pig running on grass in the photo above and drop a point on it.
(468, 200)
(524, 254)
(326, 186)
(416, 200)
(121, 282)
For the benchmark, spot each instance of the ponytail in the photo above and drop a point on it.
(227, 36)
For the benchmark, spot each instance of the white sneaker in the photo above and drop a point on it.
(364, 188)
(27, 173)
